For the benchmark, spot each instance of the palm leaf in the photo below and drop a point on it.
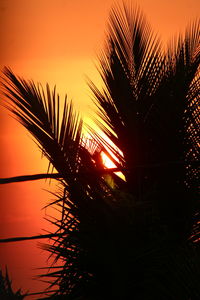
(130, 68)
(6, 289)
(148, 109)
(39, 113)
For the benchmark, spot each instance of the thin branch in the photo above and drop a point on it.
(23, 178)
(40, 293)
(27, 238)
(29, 178)
(97, 171)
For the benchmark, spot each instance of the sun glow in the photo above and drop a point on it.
(90, 144)
(107, 162)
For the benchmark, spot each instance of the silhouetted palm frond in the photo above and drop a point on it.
(6, 290)
(40, 114)
(131, 67)
(149, 110)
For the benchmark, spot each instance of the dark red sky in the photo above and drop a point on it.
(54, 41)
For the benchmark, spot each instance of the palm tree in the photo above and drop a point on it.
(136, 238)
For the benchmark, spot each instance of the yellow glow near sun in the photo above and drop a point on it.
(89, 141)
(107, 162)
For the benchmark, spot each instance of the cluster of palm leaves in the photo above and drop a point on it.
(136, 238)
(6, 290)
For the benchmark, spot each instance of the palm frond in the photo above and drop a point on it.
(6, 289)
(148, 109)
(131, 68)
(39, 113)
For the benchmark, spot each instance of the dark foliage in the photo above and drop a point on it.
(6, 290)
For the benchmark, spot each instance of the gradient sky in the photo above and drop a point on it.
(54, 41)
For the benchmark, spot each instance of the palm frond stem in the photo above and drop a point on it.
(27, 238)
(23, 178)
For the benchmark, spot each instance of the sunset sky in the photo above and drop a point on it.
(54, 41)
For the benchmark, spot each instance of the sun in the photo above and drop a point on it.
(107, 162)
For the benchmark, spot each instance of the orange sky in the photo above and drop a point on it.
(54, 41)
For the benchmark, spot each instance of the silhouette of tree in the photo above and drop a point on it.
(137, 238)
(6, 290)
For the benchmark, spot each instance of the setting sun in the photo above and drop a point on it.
(107, 162)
